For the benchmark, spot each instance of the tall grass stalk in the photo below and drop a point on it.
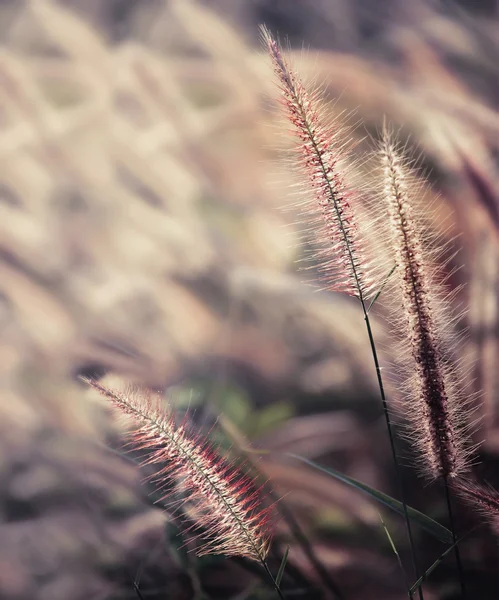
(433, 405)
(287, 515)
(320, 152)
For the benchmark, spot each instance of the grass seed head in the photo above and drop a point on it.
(435, 406)
(322, 158)
(225, 502)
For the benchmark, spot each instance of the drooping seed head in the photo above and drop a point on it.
(226, 505)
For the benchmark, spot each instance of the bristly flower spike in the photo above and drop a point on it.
(337, 206)
(435, 408)
(483, 498)
(226, 504)
(320, 153)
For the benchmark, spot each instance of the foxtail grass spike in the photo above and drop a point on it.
(435, 408)
(226, 505)
(327, 166)
(483, 498)
(321, 154)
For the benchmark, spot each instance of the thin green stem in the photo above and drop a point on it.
(457, 554)
(396, 552)
(382, 287)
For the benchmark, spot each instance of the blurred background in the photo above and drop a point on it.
(148, 235)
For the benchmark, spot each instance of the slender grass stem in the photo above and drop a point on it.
(398, 469)
(282, 508)
(319, 157)
(365, 310)
(457, 554)
(272, 578)
(298, 534)
(137, 591)
(293, 572)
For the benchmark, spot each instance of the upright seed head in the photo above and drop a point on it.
(434, 409)
(226, 504)
(320, 153)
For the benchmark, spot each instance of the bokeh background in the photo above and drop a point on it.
(148, 235)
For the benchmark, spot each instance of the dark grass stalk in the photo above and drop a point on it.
(320, 153)
(277, 587)
(399, 474)
(294, 527)
(457, 553)
(137, 591)
(309, 551)
(301, 538)
(294, 572)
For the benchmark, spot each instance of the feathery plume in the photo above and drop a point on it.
(483, 498)
(436, 409)
(226, 504)
(320, 152)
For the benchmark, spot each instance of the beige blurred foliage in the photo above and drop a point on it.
(132, 182)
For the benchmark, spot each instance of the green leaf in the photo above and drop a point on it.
(427, 523)
(280, 573)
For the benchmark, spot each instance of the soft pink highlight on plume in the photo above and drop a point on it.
(319, 152)
(226, 504)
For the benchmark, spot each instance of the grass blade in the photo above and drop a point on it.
(397, 555)
(427, 523)
(378, 293)
(280, 573)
